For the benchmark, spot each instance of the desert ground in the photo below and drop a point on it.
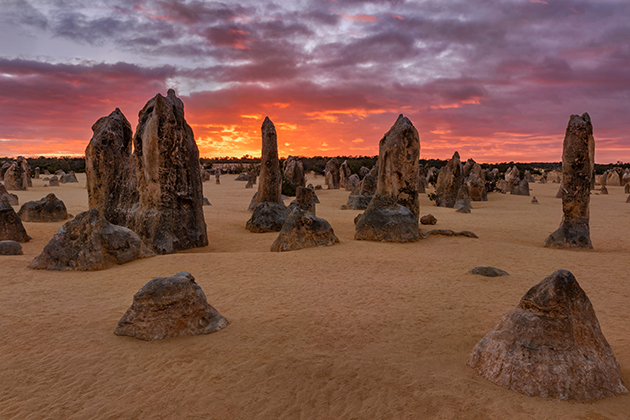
(359, 330)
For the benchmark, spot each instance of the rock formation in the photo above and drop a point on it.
(450, 178)
(251, 181)
(386, 220)
(47, 209)
(270, 212)
(399, 151)
(462, 204)
(613, 179)
(10, 248)
(169, 307)
(344, 174)
(11, 227)
(520, 187)
(534, 200)
(15, 177)
(529, 177)
(352, 182)
(550, 345)
(11, 198)
(304, 199)
(110, 168)
(169, 215)
(398, 154)
(503, 186)
(88, 243)
(626, 189)
(331, 174)
(217, 177)
(158, 192)
(68, 178)
(363, 172)
(361, 196)
(303, 229)
(475, 183)
(625, 178)
(604, 190)
(577, 169)
(37, 172)
(293, 172)
(54, 181)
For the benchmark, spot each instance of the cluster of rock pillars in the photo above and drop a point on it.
(145, 198)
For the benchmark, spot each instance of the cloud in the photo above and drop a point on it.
(493, 80)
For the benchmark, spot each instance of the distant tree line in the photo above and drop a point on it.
(317, 164)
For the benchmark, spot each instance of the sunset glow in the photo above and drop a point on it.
(497, 82)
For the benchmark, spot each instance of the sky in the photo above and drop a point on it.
(495, 80)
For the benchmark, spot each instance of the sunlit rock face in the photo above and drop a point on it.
(331, 174)
(577, 170)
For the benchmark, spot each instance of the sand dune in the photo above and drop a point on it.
(358, 330)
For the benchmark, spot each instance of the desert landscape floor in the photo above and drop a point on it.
(358, 330)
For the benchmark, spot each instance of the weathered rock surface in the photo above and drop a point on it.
(487, 271)
(463, 204)
(206, 202)
(534, 200)
(10, 248)
(47, 209)
(604, 190)
(303, 229)
(89, 243)
(110, 168)
(503, 186)
(331, 174)
(550, 345)
(577, 169)
(68, 178)
(386, 220)
(169, 215)
(626, 189)
(352, 182)
(428, 219)
(15, 177)
(398, 154)
(11, 198)
(450, 178)
(267, 217)
(613, 179)
(169, 307)
(11, 227)
(476, 187)
(54, 181)
(361, 196)
(305, 200)
(243, 176)
(520, 187)
(269, 212)
(293, 172)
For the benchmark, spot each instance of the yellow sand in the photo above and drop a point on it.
(358, 330)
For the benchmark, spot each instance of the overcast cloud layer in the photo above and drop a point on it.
(496, 80)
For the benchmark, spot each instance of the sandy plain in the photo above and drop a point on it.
(359, 330)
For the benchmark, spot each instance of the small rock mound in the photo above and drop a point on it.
(12, 198)
(386, 220)
(48, 209)
(487, 271)
(10, 248)
(550, 345)
(267, 217)
(428, 219)
(11, 227)
(534, 200)
(169, 307)
(604, 190)
(303, 229)
(90, 243)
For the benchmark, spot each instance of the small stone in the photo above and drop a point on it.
(428, 219)
(487, 271)
(206, 202)
(10, 248)
(169, 307)
(534, 200)
(604, 190)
